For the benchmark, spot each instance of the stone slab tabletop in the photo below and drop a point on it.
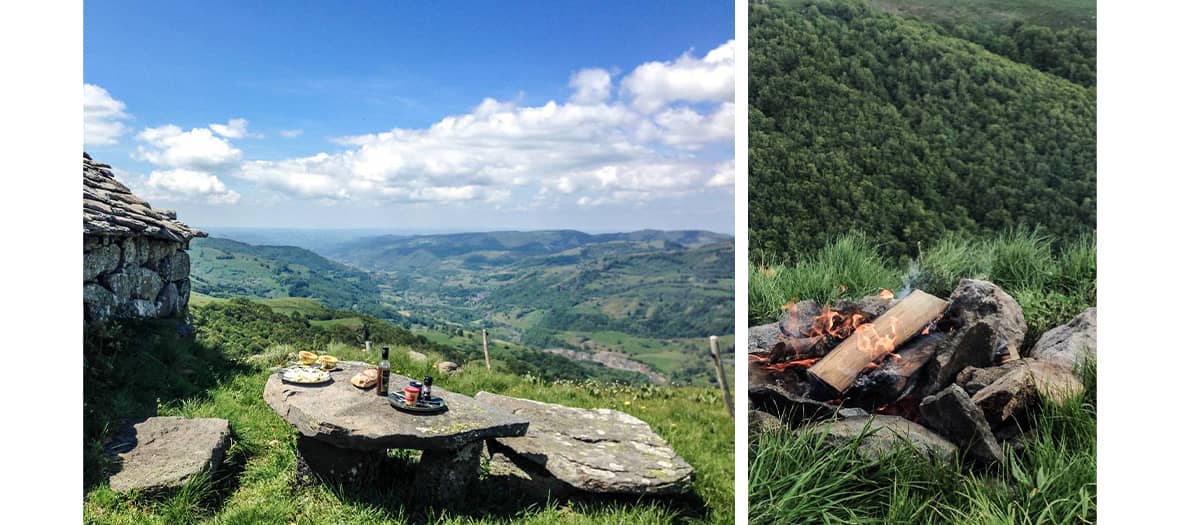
(345, 416)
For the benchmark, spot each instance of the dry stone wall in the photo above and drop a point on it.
(134, 277)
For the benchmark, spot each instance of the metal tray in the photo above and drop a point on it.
(433, 405)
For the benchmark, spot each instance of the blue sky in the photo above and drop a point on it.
(603, 116)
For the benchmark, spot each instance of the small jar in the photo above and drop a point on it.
(411, 392)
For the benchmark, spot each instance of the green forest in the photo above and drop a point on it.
(909, 129)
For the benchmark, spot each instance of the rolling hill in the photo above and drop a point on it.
(901, 128)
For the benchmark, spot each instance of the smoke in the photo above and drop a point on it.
(909, 281)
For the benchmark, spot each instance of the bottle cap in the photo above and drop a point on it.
(427, 380)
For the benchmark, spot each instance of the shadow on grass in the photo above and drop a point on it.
(496, 496)
(130, 369)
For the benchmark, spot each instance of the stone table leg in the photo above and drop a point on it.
(445, 475)
(336, 463)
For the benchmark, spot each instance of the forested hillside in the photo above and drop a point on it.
(907, 130)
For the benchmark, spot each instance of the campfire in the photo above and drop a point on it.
(950, 365)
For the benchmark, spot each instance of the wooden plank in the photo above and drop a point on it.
(873, 341)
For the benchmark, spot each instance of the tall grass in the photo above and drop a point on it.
(798, 477)
(1052, 280)
(261, 488)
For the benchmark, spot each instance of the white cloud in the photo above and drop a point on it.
(197, 148)
(290, 133)
(102, 116)
(184, 184)
(723, 177)
(234, 129)
(688, 79)
(591, 86)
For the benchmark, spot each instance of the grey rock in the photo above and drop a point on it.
(130, 252)
(175, 266)
(760, 422)
(798, 319)
(1071, 344)
(1012, 396)
(973, 379)
(110, 209)
(522, 477)
(952, 414)
(445, 476)
(344, 416)
(448, 367)
(134, 282)
(886, 434)
(98, 261)
(166, 452)
(594, 450)
(763, 337)
(793, 409)
(139, 308)
(417, 356)
(990, 328)
(168, 302)
(98, 302)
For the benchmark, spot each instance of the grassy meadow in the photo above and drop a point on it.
(794, 478)
(144, 369)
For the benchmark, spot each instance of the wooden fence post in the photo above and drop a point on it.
(487, 358)
(721, 379)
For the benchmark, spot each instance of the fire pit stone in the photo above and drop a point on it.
(883, 434)
(1070, 344)
(952, 414)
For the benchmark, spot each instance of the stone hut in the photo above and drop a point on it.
(135, 262)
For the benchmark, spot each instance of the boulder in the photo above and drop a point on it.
(100, 260)
(952, 414)
(594, 450)
(885, 434)
(794, 410)
(166, 452)
(139, 308)
(175, 267)
(168, 302)
(134, 282)
(1017, 391)
(989, 328)
(521, 477)
(448, 367)
(761, 422)
(417, 356)
(973, 379)
(762, 338)
(98, 302)
(1070, 344)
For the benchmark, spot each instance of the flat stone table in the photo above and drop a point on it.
(345, 430)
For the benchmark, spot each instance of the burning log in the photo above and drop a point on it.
(892, 380)
(873, 341)
(798, 348)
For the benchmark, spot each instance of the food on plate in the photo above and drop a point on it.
(328, 362)
(307, 358)
(305, 375)
(365, 378)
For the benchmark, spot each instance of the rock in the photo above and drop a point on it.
(522, 477)
(989, 328)
(872, 306)
(338, 463)
(448, 367)
(444, 476)
(98, 302)
(134, 283)
(343, 416)
(794, 410)
(973, 379)
(952, 414)
(98, 261)
(130, 251)
(1011, 396)
(175, 267)
(165, 452)
(594, 450)
(885, 434)
(763, 337)
(1070, 344)
(417, 356)
(139, 308)
(761, 422)
(168, 302)
(798, 319)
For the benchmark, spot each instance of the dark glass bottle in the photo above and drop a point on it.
(426, 383)
(383, 373)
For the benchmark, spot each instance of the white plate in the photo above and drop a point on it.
(306, 376)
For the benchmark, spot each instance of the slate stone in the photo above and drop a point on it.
(448, 367)
(973, 379)
(886, 434)
(1012, 396)
(347, 417)
(793, 409)
(989, 328)
(98, 302)
(1071, 344)
(98, 261)
(763, 337)
(166, 452)
(953, 415)
(594, 450)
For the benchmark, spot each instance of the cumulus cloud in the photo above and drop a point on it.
(689, 79)
(591, 86)
(197, 148)
(234, 129)
(184, 184)
(667, 132)
(102, 116)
